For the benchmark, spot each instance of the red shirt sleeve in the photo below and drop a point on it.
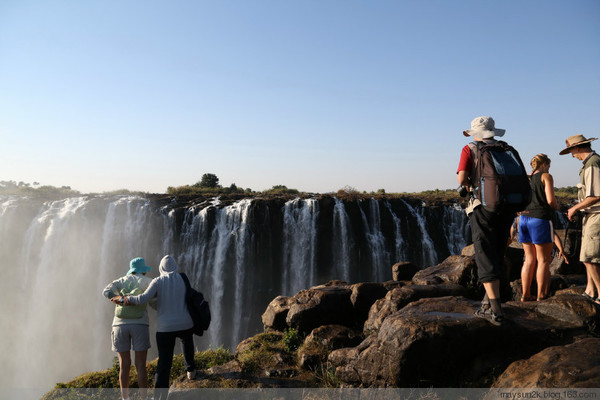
(466, 160)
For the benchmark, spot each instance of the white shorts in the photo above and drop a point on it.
(124, 336)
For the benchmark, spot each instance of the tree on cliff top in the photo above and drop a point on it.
(208, 181)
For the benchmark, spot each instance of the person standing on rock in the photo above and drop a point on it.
(130, 325)
(536, 232)
(173, 321)
(589, 198)
(490, 229)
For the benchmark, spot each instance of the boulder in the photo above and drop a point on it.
(321, 341)
(334, 337)
(391, 285)
(467, 351)
(321, 305)
(363, 296)
(460, 270)
(400, 297)
(274, 317)
(468, 251)
(575, 365)
(557, 283)
(404, 271)
(571, 309)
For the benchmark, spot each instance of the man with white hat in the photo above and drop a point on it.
(589, 204)
(490, 230)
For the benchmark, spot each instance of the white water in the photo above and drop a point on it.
(380, 258)
(342, 241)
(299, 244)
(429, 253)
(54, 322)
(401, 250)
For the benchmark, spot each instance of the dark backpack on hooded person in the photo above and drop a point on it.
(498, 177)
(197, 307)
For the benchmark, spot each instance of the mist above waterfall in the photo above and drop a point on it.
(57, 256)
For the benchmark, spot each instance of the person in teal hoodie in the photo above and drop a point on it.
(130, 325)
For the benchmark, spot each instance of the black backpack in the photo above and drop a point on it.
(498, 178)
(197, 307)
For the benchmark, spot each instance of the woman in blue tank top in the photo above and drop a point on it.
(536, 232)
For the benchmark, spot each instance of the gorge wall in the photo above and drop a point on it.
(57, 256)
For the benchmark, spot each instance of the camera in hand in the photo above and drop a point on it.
(462, 191)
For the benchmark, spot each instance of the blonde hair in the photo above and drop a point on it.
(538, 161)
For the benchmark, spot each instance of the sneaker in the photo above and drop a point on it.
(488, 314)
(191, 375)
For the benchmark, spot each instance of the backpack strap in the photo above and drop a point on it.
(188, 287)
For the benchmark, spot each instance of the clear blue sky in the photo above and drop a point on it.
(314, 95)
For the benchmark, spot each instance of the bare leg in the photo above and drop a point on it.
(544, 258)
(142, 373)
(593, 272)
(124, 367)
(528, 270)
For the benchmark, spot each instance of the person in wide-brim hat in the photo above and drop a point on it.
(589, 207)
(574, 141)
(483, 128)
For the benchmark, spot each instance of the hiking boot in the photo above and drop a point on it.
(488, 314)
(191, 375)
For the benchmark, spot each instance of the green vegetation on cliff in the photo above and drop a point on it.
(109, 378)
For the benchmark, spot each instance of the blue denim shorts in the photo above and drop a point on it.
(535, 230)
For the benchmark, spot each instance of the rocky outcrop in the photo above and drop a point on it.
(322, 305)
(460, 270)
(275, 316)
(575, 365)
(404, 271)
(439, 342)
(424, 332)
(397, 298)
(333, 303)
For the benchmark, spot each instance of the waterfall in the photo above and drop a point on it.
(427, 247)
(299, 244)
(57, 256)
(70, 250)
(216, 257)
(342, 241)
(400, 249)
(456, 229)
(376, 242)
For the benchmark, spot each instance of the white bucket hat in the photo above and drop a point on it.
(483, 128)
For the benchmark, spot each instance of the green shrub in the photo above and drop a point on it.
(292, 339)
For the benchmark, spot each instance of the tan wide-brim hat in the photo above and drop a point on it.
(574, 141)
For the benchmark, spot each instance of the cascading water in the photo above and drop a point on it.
(57, 256)
(427, 246)
(375, 240)
(400, 243)
(299, 244)
(343, 244)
